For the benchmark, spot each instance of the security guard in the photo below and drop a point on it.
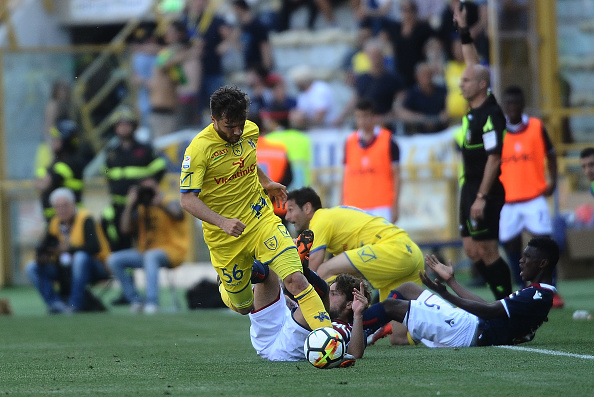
(67, 168)
(127, 163)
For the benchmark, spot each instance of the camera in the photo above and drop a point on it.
(145, 195)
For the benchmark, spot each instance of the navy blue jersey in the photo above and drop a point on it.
(526, 310)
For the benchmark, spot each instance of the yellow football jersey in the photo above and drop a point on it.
(344, 228)
(225, 177)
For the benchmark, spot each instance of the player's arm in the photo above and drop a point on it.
(276, 191)
(195, 206)
(357, 343)
(468, 49)
(489, 175)
(551, 163)
(463, 298)
(316, 258)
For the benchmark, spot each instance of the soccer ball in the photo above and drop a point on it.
(324, 347)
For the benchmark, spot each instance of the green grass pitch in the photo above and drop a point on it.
(208, 353)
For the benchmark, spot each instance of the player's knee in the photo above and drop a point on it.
(295, 283)
(245, 310)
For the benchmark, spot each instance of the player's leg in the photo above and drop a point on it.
(235, 278)
(267, 291)
(277, 249)
(337, 265)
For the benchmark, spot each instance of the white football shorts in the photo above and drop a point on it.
(275, 335)
(435, 322)
(532, 216)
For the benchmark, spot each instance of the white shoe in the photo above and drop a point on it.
(136, 307)
(151, 308)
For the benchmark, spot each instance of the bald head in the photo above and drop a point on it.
(474, 84)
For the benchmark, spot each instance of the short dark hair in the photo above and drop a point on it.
(346, 282)
(365, 105)
(229, 102)
(241, 4)
(305, 195)
(514, 90)
(548, 248)
(587, 152)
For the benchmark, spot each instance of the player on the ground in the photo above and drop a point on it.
(222, 185)
(278, 329)
(360, 244)
(464, 319)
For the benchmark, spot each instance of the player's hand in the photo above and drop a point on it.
(446, 272)
(477, 211)
(233, 227)
(360, 301)
(434, 285)
(277, 193)
(459, 14)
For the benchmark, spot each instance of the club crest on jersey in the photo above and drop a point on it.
(237, 149)
(271, 243)
(322, 316)
(366, 254)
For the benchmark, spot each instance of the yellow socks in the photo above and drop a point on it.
(313, 309)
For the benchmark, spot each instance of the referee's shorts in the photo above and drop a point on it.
(488, 227)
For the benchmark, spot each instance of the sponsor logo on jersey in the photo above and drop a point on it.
(537, 295)
(366, 254)
(239, 174)
(186, 162)
(283, 231)
(186, 179)
(450, 322)
(322, 316)
(258, 207)
(219, 154)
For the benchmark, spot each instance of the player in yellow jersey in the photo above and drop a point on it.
(361, 244)
(222, 185)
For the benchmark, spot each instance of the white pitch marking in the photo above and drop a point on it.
(550, 352)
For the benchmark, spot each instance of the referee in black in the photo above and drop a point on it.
(482, 194)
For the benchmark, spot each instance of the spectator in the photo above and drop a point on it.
(57, 108)
(526, 149)
(315, 101)
(168, 74)
(67, 168)
(144, 56)
(73, 253)
(127, 163)
(380, 86)
(254, 37)
(207, 31)
(371, 163)
(163, 241)
(298, 144)
(281, 100)
(455, 103)
(408, 38)
(357, 62)
(376, 13)
(587, 163)
(258, 90)
(273, 159)
(424, 106)
(288, 7)
(188, 91)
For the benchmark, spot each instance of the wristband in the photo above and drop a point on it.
(465, 36)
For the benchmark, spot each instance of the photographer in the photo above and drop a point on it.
(162, 236)
(72, 253)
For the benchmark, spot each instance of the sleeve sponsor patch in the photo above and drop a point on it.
(186, 162)
(490, 140)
